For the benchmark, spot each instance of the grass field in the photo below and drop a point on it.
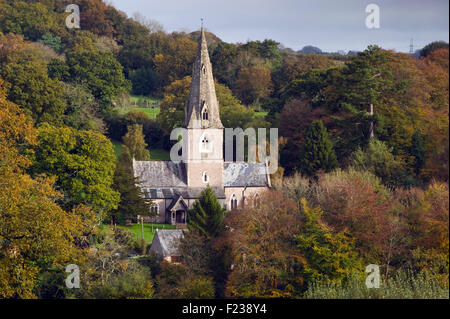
(260, 114)
(149, 230)
(117, 148)
(139, 99)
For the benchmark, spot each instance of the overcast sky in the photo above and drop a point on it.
(331, 25)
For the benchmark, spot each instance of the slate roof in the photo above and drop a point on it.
(166, 242)
(160, 174)
(186, 192)
(245, 174)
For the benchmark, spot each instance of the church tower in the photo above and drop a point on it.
(205, 130)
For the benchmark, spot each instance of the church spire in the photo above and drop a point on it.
(202, 108)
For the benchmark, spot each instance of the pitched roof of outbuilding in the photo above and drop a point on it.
(166, 242)
(245, 174)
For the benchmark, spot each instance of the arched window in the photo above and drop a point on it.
(154, 209)
(205, 114)
(233, 202)
(205, 144)
(205, 177)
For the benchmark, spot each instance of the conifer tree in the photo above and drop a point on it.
(207, 215)
(132, 203)
(134, 140)
(318, 153)
(417, 150)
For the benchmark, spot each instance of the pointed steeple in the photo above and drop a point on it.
(202, 108)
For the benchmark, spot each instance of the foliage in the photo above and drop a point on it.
(135, 143)
(82, 109)
(207, 214)
(327, 254)
(52, 41)
(265, 261)
(132, 201)
(431, 47)
(177, 60)
(402, 285)
(253, 84)
(145, 81)
(99, 70)
(317, 152)
(31, 88)
(32, 19)
(378, 159)
(108, 273)
(35, 233)
(82, 163)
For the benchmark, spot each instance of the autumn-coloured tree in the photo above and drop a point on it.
(328, 254)
(253, 84)
(177, 61)
(295, 119)
(35, 233)
(265, 261)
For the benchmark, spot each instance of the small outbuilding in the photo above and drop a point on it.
(166, 243)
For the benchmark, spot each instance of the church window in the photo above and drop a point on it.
(154, 209)
(205, 144)
(205, 115)
(233, 202)
(205, 177)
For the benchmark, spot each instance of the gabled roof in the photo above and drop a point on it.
(245, 174)
(159, 174)
(166, 242)
(177, 204)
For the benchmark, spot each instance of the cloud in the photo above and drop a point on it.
(329, 24)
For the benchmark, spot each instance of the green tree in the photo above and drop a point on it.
(82, 111)
(32, 19)
(145, 81)
(83, 164)
(378, 159)
(52, 41)
(135, 142)
(132, 201)
(99, 70)
(328, 255)
(207, 215)
(417, 151)
(35, 233)
(431, 47)
(317, 153)
(31, 88)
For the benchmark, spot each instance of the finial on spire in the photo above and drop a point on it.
(202, 22)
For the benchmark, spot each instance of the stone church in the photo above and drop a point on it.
(174, 187)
